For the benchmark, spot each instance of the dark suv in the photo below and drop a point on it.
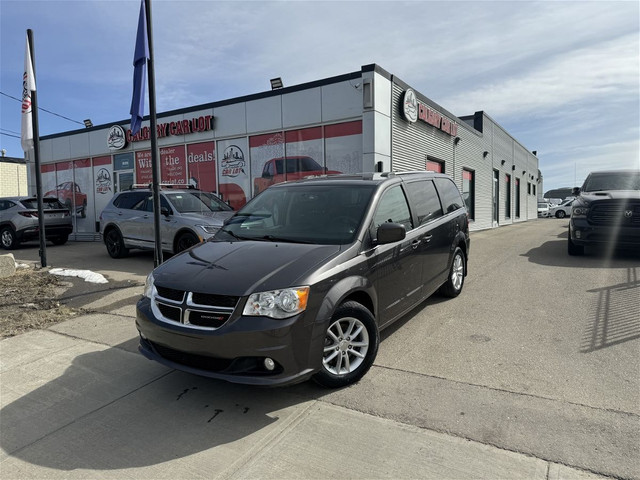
(301, 280)
(606, 211)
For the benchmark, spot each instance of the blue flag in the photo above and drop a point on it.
(140, 57)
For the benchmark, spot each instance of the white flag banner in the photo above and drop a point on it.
(28, 84)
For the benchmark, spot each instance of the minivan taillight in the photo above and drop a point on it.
(29, 214)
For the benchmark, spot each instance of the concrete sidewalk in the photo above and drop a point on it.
(78, 401)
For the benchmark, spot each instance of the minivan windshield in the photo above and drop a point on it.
(319, 214)
(599, 181)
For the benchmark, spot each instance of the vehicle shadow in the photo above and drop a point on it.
(554, 253)
(110, 410)
(616, 318)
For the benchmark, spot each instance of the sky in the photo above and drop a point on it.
(561, 77)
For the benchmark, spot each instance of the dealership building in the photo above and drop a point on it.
(365, 121)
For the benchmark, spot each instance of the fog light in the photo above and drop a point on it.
(269, 364)
(578, 234)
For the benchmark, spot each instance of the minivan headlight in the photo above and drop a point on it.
(283, 303)
(210, 229)
(148, 286)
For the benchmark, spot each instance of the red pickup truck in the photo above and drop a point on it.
(69, 193)
(283, 169)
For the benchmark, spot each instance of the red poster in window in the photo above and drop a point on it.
(467, 175)
(173, 165)
(144, 175)
(201, 162)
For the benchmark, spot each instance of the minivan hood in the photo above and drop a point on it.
(240, 268)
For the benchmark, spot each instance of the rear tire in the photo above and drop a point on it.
(453, 286)
(350, 346)
(61, 240)
(8, 238)
(115, 244)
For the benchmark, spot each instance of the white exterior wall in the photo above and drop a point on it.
(372, 96)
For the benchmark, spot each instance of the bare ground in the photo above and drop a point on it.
(29, 301)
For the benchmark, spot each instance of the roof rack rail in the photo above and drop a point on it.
(163, 185)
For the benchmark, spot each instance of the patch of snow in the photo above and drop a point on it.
(88, 275)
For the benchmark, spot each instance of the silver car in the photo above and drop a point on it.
(188, 216)
(19, 221)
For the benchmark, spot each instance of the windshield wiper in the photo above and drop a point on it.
(272, 238)
(238, 237)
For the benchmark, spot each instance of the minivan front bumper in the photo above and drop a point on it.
(235, 352)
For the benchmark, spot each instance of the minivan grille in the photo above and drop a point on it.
(615, 213)
(202, 310)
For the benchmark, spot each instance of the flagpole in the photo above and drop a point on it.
(36, 154)
(154, 138)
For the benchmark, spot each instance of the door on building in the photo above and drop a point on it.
(123, 180)
(496, 196)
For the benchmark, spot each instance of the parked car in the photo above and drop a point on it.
(189, 216)
(69, 194)
(281, 169)
(543, 210)
(606, 211)
(562, 210)
(301, 280)
(19, 221)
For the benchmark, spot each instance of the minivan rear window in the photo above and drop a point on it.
(449, 195)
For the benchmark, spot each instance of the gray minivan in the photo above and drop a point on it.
(300, 281)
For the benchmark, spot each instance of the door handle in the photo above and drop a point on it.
(427, 238)
(415, 244)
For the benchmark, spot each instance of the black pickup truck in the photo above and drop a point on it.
(606, 211)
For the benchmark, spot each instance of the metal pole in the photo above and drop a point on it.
(36, 153)
(157, 260)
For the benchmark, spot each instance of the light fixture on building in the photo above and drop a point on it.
(276, 83)
(88, 123)
(513, 167)
(484, 154)
(502, 162)
(524, 171)
(456, 140)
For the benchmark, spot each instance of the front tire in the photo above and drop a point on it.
(115, 244)
(8, 238)
(560, 214)
(573, 249)
(453, 286)
(350, 346)
(186, 240)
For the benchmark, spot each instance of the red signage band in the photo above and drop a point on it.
(182, 127)
(437, 120)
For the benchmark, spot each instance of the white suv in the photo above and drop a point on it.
(188, 217)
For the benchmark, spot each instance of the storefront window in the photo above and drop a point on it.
(469, 192)
(435, 166)
(507, 196)
(517, 198)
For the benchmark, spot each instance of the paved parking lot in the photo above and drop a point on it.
(532, 372)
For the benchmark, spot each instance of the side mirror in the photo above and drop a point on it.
(390, 233)
(266, 175)
(575, 191)
(165, 211)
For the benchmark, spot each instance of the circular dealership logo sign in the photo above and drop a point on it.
(116, 138)
(410, 106)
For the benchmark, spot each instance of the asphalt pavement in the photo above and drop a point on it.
(532, 372)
